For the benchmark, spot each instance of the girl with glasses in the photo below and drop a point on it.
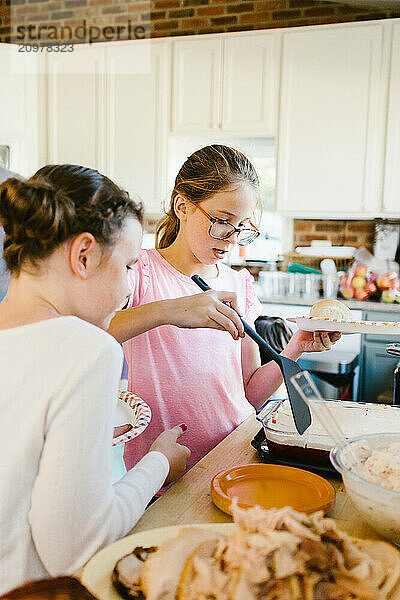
(208, 379)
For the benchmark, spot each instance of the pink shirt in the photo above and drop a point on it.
(191, 376)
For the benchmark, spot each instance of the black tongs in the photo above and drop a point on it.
(301, 412)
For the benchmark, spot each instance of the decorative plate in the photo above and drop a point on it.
(133, 410)
(325, 324)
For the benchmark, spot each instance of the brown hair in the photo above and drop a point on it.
(207, 171)
(56, 203)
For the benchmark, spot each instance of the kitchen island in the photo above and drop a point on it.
(189, 499)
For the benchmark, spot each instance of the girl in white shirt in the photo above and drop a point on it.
(70, 237)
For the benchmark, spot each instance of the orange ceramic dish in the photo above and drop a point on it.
(271, 486)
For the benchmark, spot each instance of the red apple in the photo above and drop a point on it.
(358, 282)
(347, 292)
(383, 282)
(370, 287)
(391, 274)
(395, 283)
(361, 294)
(361, 271)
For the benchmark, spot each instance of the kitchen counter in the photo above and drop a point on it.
(189, 500)
(352, 304)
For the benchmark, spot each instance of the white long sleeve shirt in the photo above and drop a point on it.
(58, 391)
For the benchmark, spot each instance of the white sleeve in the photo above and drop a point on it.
(75, 510)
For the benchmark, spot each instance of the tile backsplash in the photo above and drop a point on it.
(340, 233)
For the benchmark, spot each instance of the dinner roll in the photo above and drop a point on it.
(332, 309)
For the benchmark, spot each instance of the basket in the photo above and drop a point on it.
(314, 261)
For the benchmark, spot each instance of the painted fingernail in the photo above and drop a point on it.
(183, 426)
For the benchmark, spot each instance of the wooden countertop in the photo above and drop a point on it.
(189, 499)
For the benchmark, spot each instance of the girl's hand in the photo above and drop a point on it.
(207, 309)
(121, 429)
(308, 341)
(177, 455)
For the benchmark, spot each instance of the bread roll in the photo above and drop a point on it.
(331, 309)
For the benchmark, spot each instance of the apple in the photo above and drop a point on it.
(395, 283)
(383, 282)
(370, 287)
(391, 274)
(361, 294)
(358, 282)
(388, 296)
(361, 271)
(347, 292)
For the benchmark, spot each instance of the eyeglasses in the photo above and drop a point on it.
(221, 229)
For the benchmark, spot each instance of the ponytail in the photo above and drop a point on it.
(167, 229)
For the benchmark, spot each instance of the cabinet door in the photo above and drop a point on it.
(391, 197)
(22, 118)
(76, 106)
(196, 85)
(377, 371)
(250, 83)
(137, 118)
(331, 121)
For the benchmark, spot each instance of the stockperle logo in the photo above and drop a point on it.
(81, 33)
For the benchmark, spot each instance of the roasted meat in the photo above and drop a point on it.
(276, 554)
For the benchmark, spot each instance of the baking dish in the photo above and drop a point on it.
(313, 447)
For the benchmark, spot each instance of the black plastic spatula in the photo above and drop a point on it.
(289, 368)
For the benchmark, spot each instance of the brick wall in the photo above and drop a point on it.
(340, 233)
(159, 18)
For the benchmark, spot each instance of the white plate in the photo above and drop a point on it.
(324, 324)
(133, 410)
(96, 575)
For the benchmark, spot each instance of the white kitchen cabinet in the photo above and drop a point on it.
(330, 138)
(391, 190)
(250, 83)
(76, 106)
(196, 85)
(137, 118)
(22, 118)
(226, 83)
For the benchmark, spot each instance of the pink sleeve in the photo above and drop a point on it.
(139, 279)
(253, 305)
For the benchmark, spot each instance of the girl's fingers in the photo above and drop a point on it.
(335, 336)
(325, 340)
(225, 322)
(232, 298)
(179, 430)
(232, 316)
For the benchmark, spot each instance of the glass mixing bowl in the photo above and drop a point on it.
(378, 505)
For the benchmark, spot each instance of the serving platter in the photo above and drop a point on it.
(96, 575)
(346, 327)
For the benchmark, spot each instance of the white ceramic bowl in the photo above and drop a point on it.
(379, 506)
